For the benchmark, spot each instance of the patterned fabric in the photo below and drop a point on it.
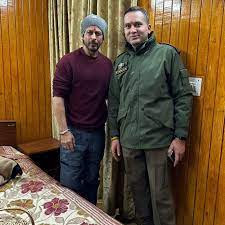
(46, 202)
(64, 36)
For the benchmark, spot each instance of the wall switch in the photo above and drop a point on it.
(196, 84)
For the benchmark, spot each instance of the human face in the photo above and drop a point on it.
(136, 28)
(92, 40)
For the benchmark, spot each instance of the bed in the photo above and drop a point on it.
(36, 198)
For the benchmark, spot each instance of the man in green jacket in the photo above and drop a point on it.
(150, 104)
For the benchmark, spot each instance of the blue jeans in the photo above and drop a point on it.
(79, 169)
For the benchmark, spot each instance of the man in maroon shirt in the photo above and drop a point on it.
(80, 88)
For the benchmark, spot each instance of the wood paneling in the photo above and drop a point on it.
(197, 28)
(25, 94)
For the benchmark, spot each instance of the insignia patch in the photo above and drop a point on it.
(121, 68)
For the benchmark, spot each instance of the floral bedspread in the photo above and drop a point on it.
(36, 198)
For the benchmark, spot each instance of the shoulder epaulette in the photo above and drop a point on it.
(177, 50)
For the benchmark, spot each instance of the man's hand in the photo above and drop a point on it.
(68, 141)
(178, 146)
(116, 150)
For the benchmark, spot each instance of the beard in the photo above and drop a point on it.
(92, 46)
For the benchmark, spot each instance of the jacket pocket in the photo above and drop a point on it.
(162, 119)
(121, 114)
(123, 122)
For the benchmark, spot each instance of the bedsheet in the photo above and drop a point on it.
(36, 198)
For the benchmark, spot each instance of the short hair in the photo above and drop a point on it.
(136, 9)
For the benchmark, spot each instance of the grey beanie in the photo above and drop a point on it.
(93, 20)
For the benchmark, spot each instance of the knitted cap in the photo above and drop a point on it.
(93, 20)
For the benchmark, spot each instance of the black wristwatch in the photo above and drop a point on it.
(181, 138)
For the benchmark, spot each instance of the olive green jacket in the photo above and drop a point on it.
(150, 98)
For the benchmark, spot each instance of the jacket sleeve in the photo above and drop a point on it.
(182, 95)
(113, 106)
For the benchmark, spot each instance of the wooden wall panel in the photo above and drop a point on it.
(24, 68)
(6, 72)
(184, 28)
(34, 67)
(46, 62)
(159, 19)
(13, 62)
(40, 71)
(192, 157)
(21, 126)
(175, 22)
(2, 82)
(167, 10)
(196, 27)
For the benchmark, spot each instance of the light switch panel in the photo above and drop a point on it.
(196, 84)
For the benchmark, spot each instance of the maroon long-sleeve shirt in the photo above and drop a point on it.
(83, 82)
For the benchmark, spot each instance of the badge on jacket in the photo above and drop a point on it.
(121, 68)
